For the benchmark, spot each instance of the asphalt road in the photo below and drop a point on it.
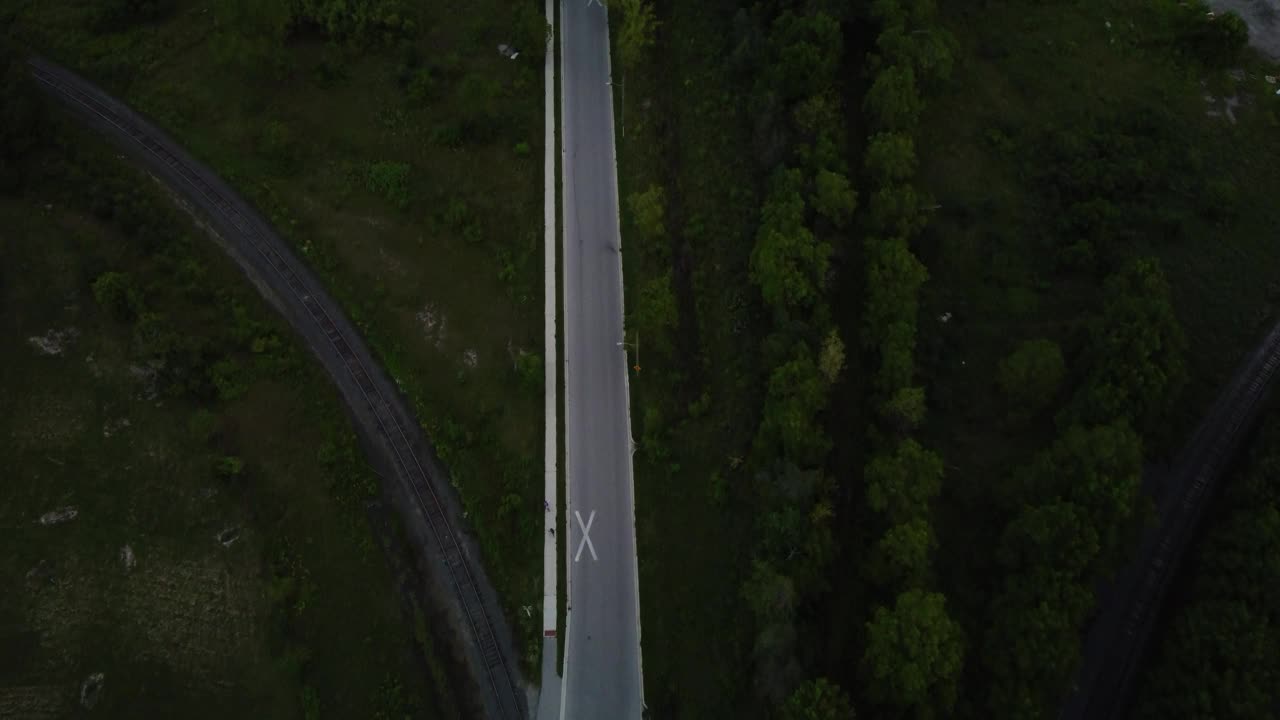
(458, 591)
(1116, 643)
(602, 634)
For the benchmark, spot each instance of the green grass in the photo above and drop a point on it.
(442, 271)
(683, 132)
(302, 610)
(1022, 69)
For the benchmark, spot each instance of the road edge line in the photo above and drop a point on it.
(626, 370)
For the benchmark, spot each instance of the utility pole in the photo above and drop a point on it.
(633, 346)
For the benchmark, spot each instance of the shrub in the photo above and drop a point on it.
(391, 181)
(1031, 375)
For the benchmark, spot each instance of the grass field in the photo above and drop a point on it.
(220, 560)
(418, 204)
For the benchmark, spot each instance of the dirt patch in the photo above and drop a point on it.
(51, 421)
(194, 615)
(34, 702)
(434, 324)
(470, 358)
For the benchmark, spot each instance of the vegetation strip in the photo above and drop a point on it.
(490, 642)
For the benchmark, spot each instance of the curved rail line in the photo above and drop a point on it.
(500, 678)
(1118, 641)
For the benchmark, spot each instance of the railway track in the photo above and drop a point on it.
(87, 99)
(1118, 640)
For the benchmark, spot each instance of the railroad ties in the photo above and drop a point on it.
(77, 92)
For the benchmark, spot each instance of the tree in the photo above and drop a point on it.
(1136, 353)
(1058, 535)
(794, 527)
(1096, 468)
(1030, 376)
(1033, 641)
(117, 293)
(772, 599)
(831, 359)
(915, 653)
(891, 157)
(894, 277)
(1216, 41)
(897, 209)
(788, 263)
(902, 485)
(806, 50)
(637, 30)
(818, 699)
(927, 51)
(656, 312)
(897, 357)
(817, 114)
(904, 410)
(647, 211)
(834, 198)
(901, 557)
(893, 102)
(797, 392)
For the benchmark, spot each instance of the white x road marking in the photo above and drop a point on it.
(586, 536)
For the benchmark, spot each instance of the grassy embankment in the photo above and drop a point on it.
(221, 561)
(694, 401)
(405, 167)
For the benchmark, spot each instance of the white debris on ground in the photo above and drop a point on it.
(470, 358)
(508, 52)
(54, 341)
(229, 536)
(111, 427)
(61, 515)
(127, 557)
(91, 690)
(434, 324)
(94, 370)
(1228, 107)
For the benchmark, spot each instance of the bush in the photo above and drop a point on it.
(116, 293)
(391, 181)
(1031, 375)
(647, 211)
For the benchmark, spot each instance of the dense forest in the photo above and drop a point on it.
(926, 289)
(926, 532)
